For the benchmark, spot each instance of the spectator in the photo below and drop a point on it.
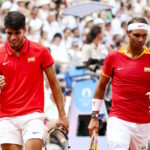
(51, 25)
(59, 53)
(35, 22)
(58, 49)
(94, 47)
(75, 53)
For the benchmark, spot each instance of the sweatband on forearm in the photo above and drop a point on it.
(96, 104)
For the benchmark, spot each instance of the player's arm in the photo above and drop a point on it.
(57, 94)
(101, 86)
(2, 82)
(97, 102)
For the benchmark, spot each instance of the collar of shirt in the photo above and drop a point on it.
(23, 50)
(94, 46)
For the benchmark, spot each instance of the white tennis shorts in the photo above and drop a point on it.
(18, 130)
(122, 134)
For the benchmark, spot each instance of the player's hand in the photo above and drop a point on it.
(63, 121)
(2, 82)
(93, 125)
(148, 94)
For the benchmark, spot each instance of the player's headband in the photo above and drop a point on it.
(138, 26)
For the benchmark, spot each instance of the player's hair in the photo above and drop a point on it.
(93, 33)
(138, 20)
(57, 35)
(14, 20)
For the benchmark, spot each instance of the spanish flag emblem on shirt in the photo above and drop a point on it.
(31, 59)
(146, 69)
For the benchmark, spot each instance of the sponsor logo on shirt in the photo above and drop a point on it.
(146, 69)
(119, 68)
(31, 59)
(5, 63)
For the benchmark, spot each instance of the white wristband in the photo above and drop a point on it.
(96, 104)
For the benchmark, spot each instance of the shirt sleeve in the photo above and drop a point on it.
(47, 59)
(107, 69)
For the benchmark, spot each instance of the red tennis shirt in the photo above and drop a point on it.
(130, 83)
(24, 90)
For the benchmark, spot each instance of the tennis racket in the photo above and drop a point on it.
(57, 136)
(94, 141)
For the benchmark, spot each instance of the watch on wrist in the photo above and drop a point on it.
(94, 115)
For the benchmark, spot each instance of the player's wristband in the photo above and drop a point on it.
(96, 104)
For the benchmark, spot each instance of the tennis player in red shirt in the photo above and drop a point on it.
(22, 63)
(129, 118)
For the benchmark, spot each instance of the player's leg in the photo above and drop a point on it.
(11, 147)
(140, 137)
(33, 133)
(10, 135)
(118, 135)
(34, 144)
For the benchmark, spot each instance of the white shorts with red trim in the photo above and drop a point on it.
(123, 134)
(18, 130)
